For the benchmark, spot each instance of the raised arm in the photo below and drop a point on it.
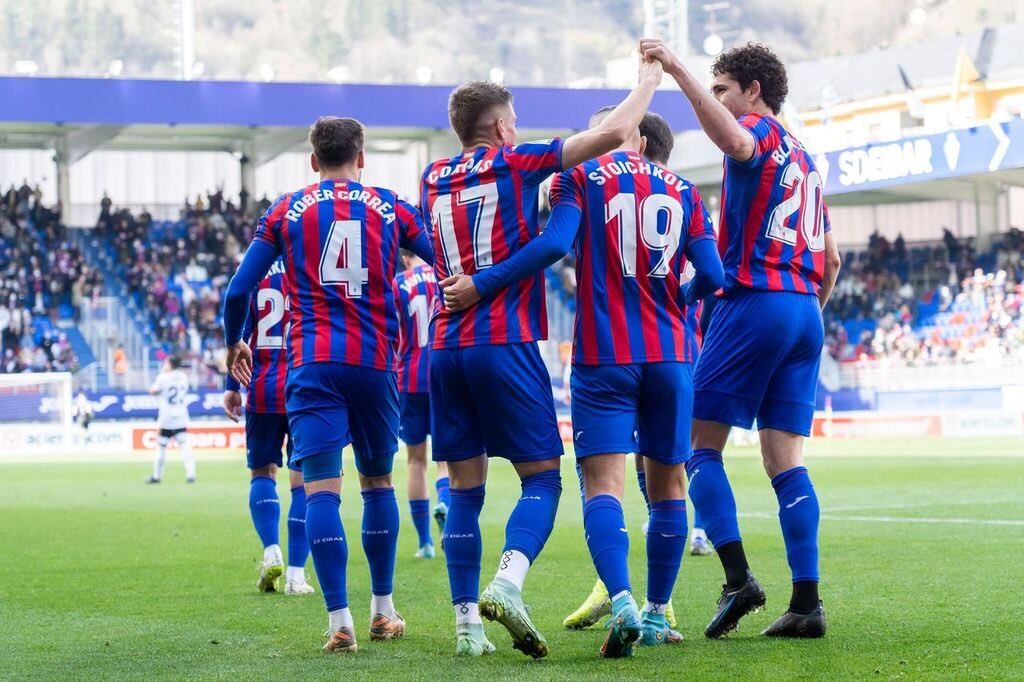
(463, 291)
(719, 124)
(616, 128)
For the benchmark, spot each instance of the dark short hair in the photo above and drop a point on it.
(469, 102)
(659, 138)
(600, 112)
(174, 361)
(336, 141)
(755, 62)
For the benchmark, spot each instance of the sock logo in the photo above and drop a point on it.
(458, 536)
(463, 607)
(381, 531)
(329, 538)
(505, 558)
(694, 475)
(797, 501)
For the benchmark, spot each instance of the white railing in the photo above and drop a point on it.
(886, 375)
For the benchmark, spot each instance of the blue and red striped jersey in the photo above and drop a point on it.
(416, 297)
(771, 232)
(483, 208)
(638, 219)
(340, 242)
(265, 330)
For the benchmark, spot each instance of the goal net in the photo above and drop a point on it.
(38, 399)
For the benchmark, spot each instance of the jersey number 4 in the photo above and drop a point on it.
(803, 189)
(484, 198)
(623, 207)
(342, 259)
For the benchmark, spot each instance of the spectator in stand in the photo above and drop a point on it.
(42, 278)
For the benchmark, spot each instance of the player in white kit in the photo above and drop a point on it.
(172, 418)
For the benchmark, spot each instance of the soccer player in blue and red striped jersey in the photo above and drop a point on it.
(489, 388)
(761, 353)
(416, 298)
(266, 429)
(340, 242)
(634, 224)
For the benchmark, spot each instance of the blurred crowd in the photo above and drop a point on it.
(929, 305)
(909, 305)
(43, 280)
(177, 271)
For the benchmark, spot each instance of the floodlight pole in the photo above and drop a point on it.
(186, 38)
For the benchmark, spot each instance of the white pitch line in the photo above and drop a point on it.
(918, 505)
(901, 519)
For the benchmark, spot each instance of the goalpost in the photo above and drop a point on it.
(36, 400)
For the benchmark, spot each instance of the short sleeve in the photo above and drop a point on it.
(268, 229)
(766, 139)
(534, 162)
(566, 190)
(700, 222)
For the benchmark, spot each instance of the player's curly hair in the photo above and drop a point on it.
(756, 62)
(469, 102)
(336, 141)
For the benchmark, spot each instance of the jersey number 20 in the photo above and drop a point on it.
(807, 198)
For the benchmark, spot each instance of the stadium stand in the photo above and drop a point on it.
(43, 283)
(932, 304)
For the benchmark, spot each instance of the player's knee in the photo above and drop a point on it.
(268, 471)
(780, 451)
(708, 434)
(603, 475)
(666, 481)
(295, 478)
(374, 482)
(417, 454)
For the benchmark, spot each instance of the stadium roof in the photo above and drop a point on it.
(996, 52)
(224, 115)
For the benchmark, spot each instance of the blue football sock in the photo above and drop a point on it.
(443, 492)
(420, 510)
(326, 538)
(711, 493)
(608, 541)
(698, 522)
(666, 542)
(641, 479)
(462, 544)
(298, 545)
(265, 509)
(533, 517)
(380, 537)
(798, 516)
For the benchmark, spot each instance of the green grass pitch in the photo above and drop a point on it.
(922, 557)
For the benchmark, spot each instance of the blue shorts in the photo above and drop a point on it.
(760, 360)
(264, 439)
(493, 399)
(331, 404)
(643, 408)
(415, 425)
